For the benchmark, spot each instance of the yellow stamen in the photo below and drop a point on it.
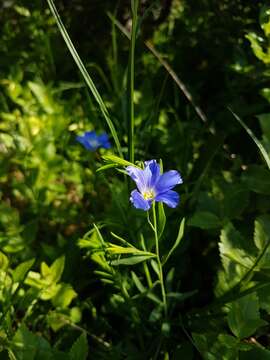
(148, 195)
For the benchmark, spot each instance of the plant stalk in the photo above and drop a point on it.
(134, 8)
(161, 279)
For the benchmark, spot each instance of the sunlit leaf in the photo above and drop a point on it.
(79, 349)
(20, 272)
(131, 260)
(244, 317)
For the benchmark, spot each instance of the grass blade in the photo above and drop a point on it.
(177, 241)
(85, 75)
(169, 69)
(134, 8)
(254, 138)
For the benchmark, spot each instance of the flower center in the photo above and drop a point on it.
(94, 143)
(148, 195)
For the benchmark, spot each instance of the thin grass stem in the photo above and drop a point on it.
(131, 135)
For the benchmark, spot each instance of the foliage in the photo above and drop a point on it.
(82, 273)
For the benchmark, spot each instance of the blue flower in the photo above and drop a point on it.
(91, 141)
(153, 186)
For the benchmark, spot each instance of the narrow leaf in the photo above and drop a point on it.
(161, 219)
(85, 74)
(117, 160)
(138, 282)
(177, 241)
(132, 260)
(115, 249)
(254, 138)
(181, 296)
(154, 265)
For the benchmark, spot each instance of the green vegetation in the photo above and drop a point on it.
(83, 273)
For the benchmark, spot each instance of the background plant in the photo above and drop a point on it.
(208, 57)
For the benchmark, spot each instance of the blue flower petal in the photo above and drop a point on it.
(104, 141)
(85, 142)
(155, 173)
(170, 198)
(138, 176)
(90, 135)
(139, 202)
(91, 141)
(167, 181)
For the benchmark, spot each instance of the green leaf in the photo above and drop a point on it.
(262, 241)
(122, 240)
(50, 291)
(56, 270)
(155, 267)
(42, 96)
(118, 161)
(99, 235)
(257, 178)
(20, 272)
(213, 347)
(4, 262)
(236, 199)
(131, 260)
(138, 282)
(28, 346)
(255, 353)
(264, 298)
(177, 241)
(117, 250)
(45, 269)
(265, 124)
(255, 42)
(265, 19)
(181, 296)
(262, 231)
(205, 220)
(64, 296)
(21, 10)
(161, 219)
(231, 247)
(79, 349)
(244, 317)
(238, 256)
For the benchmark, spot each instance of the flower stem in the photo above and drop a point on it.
(161, 279)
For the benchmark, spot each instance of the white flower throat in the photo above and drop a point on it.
(94, 143)
(149, 194)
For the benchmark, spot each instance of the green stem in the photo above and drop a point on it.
(158, 260)
(134, 7)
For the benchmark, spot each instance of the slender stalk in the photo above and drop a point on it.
(161, 279)
(134, 8)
